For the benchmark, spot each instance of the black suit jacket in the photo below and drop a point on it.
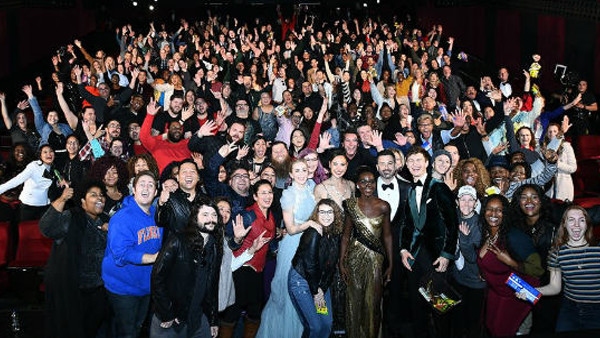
(435, 227)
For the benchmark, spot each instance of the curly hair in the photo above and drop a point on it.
(103, 164)
(337, 226)
(150, 161)
(483, 177)
(518, 217)
(192, 230)
(485, 227)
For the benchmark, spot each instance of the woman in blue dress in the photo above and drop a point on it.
(279, 317)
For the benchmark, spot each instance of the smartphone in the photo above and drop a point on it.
(444, 111)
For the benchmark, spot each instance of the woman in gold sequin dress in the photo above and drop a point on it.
(366, 241)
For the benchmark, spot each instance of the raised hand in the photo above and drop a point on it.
(198, 159)
(187, 112)
(239, 231)
(450, 180)
(207, 129)
(134, 74)
(152, 107)
(100, 131)
(496, 95)
(458, 119)
(508, 106)
(77, 43)
(227, 149)
(577, 100)
(480, 126)
(464, 228)
(325, 141)
(565, 125)
(376, 139)
(28, 90)
(67, 193)
(400, 139)
(23, 105)
(259, 242)
(59, 88)
(242, 152)
(499, 148)
(77, 70)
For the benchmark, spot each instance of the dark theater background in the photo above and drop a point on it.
(494, 34)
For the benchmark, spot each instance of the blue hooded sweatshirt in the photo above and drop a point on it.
(131, 234)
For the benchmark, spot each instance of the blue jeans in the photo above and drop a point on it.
(315, 325)
(129, 314)
(575, 316)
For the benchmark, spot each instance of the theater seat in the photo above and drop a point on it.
(588, 147)
(4, 242)
(33, 248)
(586, 179)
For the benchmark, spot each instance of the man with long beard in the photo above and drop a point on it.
(185, 277)
(281, 162)
(174, 148)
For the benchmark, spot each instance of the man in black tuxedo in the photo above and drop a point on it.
(428, 234)
(395, 192)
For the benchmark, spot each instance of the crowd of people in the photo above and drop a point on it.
(304, 177)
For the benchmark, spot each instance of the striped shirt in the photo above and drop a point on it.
(580, 268)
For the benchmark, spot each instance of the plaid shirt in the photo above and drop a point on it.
(86, 151)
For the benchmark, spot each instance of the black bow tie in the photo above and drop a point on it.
(418, 183)
(387, 186)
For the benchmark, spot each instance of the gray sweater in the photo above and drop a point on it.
(469, 248)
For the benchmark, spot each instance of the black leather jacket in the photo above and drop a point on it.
(174, 279)
(174, 214)
(316, 259)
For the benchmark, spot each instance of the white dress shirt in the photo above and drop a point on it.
(390, 195)
(35, 187)
(419, 192)
(506, 89)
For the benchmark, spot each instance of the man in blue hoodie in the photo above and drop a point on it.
(133, 243)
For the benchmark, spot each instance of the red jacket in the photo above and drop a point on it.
(259, 224)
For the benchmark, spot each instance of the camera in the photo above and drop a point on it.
(61, 51)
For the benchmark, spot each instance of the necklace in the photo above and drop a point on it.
(492, 240)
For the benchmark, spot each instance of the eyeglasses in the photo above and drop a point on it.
(367, 182)
(326, 212)
(241, 105)
(243, 177)
(116, 126)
